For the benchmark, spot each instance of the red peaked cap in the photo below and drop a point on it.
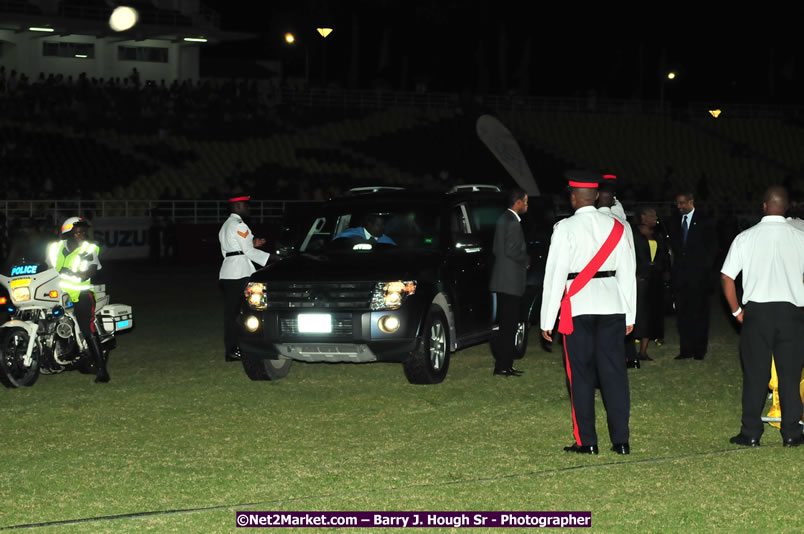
(609, 183)
(582, 179)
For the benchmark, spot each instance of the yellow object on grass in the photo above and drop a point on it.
(775, 409)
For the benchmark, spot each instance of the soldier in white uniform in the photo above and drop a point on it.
(591, 276)
(616, 209)
(239, 250)
(607, 203)
(770, 255)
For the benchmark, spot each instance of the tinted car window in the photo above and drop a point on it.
(404, 227)
(483, 218)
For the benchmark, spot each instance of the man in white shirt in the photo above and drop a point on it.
(591, 276)
(238, 248)
(770, 256)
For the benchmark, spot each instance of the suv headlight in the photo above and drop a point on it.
(391, 295)
(256, 296)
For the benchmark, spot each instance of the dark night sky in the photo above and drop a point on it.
(619, 55)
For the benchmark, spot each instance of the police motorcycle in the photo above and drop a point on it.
(42, 334)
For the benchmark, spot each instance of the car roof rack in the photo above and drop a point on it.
(474, 188)
(373, 189)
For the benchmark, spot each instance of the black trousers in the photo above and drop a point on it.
(232, 297)
(595, 350)
(772, 329)
(85, 314)
(502, 344)
(692, 314)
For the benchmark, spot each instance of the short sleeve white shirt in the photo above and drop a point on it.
(770, 255)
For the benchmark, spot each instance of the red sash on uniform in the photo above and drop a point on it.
(588, 272)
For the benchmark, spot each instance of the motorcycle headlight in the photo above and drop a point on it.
(21, 294)
(256, 296)
(391, 295)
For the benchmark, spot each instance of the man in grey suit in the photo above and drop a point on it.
(508, 280)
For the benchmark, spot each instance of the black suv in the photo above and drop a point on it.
(414, 296)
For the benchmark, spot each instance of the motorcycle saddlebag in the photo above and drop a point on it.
(117, 317)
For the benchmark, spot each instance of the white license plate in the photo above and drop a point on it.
(315, 323)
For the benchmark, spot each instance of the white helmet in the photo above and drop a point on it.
(68, 225)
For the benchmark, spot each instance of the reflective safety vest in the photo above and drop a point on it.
(71, 265)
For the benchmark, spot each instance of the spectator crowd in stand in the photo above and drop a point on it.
(150, 106)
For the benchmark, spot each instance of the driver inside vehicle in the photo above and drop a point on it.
(372, 231)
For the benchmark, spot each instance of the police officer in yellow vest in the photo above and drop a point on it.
(77, 261)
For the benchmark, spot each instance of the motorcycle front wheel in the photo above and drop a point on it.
(13, 371)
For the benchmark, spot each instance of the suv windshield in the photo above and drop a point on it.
(363, 228)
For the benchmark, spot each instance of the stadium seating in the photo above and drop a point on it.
(199, 141)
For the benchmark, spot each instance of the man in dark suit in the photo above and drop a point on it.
(694, 245)
(508, 280)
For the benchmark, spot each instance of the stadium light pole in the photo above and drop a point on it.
(290, 39)
(669, 77)
(324, 32)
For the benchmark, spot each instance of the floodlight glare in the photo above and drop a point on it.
(123, 18)
(40, 29)
(715, 112)
(195, 39)
(290, 38)
(324, 31)
(671, 75)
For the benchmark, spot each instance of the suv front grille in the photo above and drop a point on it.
(352, 295)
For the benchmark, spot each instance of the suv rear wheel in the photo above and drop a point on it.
(521, 339)
(429, 362)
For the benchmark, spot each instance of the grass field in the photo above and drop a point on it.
(180, 440)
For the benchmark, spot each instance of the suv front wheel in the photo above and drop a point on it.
(429, 362)
(265, 369)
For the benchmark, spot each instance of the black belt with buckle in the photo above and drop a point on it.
(599, 274)
(238, 253)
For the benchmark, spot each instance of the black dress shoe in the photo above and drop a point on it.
(621, 448)
(793, 442)
(683, 357)
(507, 372)
(582, 449)
(517, 372)
(103, 378)
(699, 357)
(745, 441)
(632, 364)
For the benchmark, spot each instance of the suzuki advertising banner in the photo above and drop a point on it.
(122, 237)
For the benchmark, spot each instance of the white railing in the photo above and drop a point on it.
(380, 99)
(213, 211)
(180, 211)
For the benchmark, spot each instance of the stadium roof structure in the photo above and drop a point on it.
(76, 17)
